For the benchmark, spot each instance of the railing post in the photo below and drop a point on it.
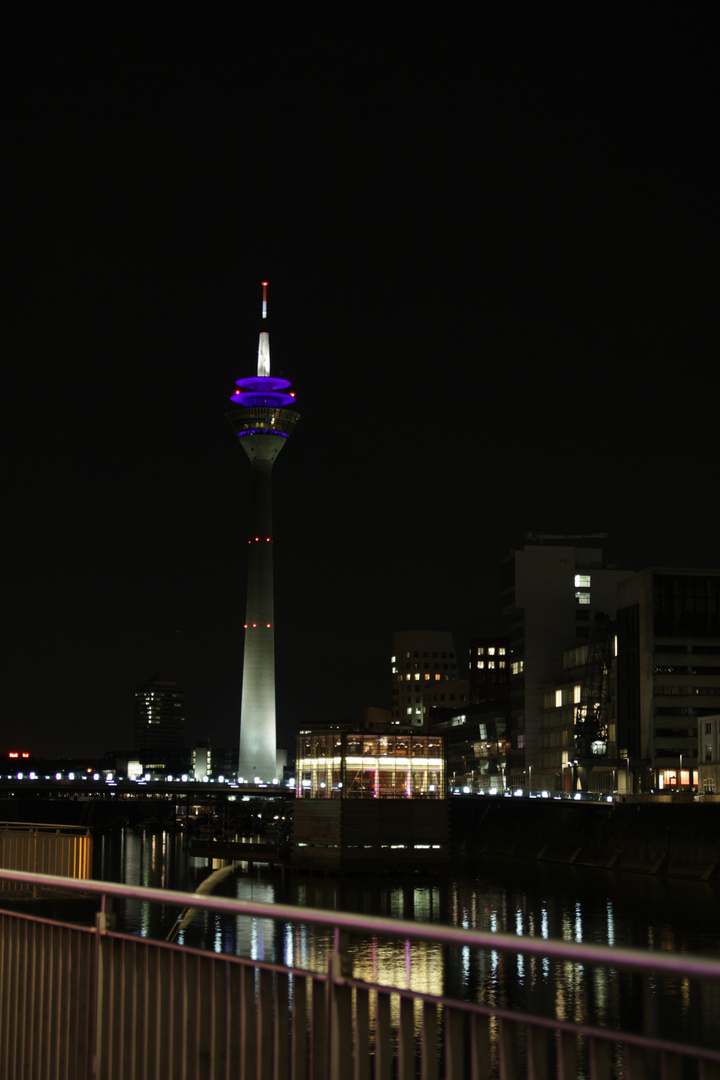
(96, 1018)
(339, 1009)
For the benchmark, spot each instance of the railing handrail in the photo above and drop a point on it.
(634, 959)
(48, 825)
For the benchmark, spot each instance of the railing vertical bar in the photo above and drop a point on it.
(361, 1067)
(537, 1053)
(203, 1008)
(670, 1067)
(27, 990)
(200, 991)
(298, 1034)
(192, 978)
(232, 1011)
(217, 1004)
(74, 958)
(265, 1026)
(406, 1040)
(454, 1044)
(3, 1028)
(146, 992)
(633, 1063)
(507, 1050)
(340, 1031)
(247, 1024)
(67, 958)
(174, 1008)
(318, 1029)
(480, 1050)
(55, 1005)
(429, 1048)
(567, 1056)
(11, 1024)
(5, 979)
(37, 997)
(126, 1034)
(182, 1017)
(599, 1058)
(383, 1037)
(281, 1056)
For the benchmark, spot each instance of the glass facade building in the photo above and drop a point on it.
(351, 765)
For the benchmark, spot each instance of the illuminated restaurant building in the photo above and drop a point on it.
(336, 764)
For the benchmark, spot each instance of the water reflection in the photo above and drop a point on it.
(521, 898)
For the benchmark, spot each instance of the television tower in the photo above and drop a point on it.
(263, 423)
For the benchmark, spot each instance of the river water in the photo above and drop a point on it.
(520, 897)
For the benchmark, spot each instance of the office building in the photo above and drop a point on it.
(668, 661)
(552, 589)
(159, 716)
(424, 676)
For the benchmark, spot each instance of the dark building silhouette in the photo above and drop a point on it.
(159, 716)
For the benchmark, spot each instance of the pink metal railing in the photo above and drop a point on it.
(91, 1003)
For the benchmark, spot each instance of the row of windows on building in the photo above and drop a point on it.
(703, 690)
(425, 655)
(693, 647)
(426, 677)
(682, 669)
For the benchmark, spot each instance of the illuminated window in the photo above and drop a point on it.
(491, 652)
(491, 663)
(582, 597)
(481, 664)
(518, 667)
(501, 652)
(558, 698)
(480, 651)
(576, 695)
(582, 581)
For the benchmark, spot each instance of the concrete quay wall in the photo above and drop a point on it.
(679, 839)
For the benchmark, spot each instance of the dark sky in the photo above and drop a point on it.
(491, 242)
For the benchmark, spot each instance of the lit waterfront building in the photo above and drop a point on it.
(336, 764)
(263, 423)
(368, 801)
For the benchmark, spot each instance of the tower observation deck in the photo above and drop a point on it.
(263, 423)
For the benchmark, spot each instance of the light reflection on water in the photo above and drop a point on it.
(523, 898)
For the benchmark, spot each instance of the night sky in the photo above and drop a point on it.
(490, 235)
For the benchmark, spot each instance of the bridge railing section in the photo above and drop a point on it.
(93, 1003)
(63, 850)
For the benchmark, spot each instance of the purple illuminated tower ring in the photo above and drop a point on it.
(263, 424)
